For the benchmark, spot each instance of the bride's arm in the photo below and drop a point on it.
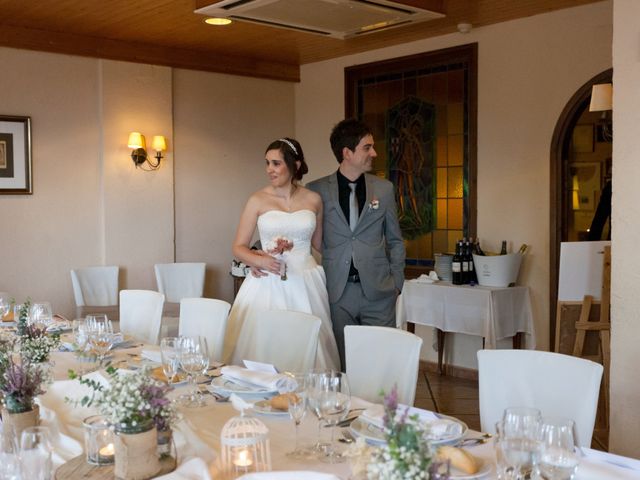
(246, 228)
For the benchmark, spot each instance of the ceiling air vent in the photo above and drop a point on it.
(331, 18)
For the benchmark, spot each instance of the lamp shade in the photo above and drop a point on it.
(159, 143)
(601, 97)
(136, 140)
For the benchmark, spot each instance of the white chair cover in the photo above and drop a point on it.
(141, 314)
(180, 280)
(207, 317)
(284, 338)
(95, 286)
(379, 357)
(558, 385)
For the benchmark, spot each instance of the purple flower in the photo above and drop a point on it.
(21, 383)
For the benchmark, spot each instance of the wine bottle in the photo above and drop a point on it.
(503, 250)
(471, 276)
(464, 258)
(478, 249)
(456, 266)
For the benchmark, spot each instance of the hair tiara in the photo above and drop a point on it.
(284, 140)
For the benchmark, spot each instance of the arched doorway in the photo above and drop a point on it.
(561, 144)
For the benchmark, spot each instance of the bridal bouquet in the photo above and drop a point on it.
(407, 453)
(278, 246)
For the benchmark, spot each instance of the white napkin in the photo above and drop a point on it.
(432, 277)
(152, 354)
(438, 427)
(279, 382)
(300, 475)
(597, 465)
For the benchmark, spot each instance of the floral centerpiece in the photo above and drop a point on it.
(21, 382)
(137, 407)
(131, 402)
(36, 344)
(407, 453)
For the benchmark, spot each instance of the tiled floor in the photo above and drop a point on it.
(459, 398)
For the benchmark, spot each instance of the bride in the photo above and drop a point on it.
(289, 221)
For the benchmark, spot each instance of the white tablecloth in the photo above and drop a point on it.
(492, 313)
(198, 435)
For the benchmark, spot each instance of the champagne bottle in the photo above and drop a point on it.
(523, 249)
(471, 277)
(503, 250)
(464, 258)
(478, 249)
(456, 266)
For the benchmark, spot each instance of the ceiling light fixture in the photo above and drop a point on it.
(217, 21)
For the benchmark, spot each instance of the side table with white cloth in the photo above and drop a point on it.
(488, 312)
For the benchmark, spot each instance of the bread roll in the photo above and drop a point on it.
(459, 458)
(281, 402)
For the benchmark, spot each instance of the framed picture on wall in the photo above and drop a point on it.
(15, 155)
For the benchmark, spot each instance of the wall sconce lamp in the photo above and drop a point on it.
(139, 154)
(602, 101)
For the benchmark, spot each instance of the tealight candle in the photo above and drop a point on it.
(105, 454)
(243, 459)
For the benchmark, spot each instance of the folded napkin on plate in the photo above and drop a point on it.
(300, 475)
(438, 427)
(152, 354)
(278, 381)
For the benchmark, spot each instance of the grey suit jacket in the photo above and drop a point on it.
(376, 244)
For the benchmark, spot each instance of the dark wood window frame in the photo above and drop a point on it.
(449, 56)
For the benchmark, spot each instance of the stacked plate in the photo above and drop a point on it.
(443, 266)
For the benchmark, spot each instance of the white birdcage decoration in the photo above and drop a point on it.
(245, 447)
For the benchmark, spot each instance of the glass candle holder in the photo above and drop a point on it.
(98, 440)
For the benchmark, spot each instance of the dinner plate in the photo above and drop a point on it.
(264, 407)
(485, 469)
(229, 385)
(375, 435)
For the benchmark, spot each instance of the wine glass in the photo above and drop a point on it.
(5, 305)
(40, 315)
(194, 359)
(169, 356)
(100, 335)
(558, 457)
(9, 459)
(297, 407)
(313, 383)
(517, 443)
(334, 403)
(35, 453)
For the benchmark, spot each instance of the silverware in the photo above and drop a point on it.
(472, 441)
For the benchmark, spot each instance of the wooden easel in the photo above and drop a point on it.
(602, 326)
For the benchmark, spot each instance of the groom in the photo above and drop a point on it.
(362, 246)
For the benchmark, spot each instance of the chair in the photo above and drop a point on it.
(284, 338)
(141, 314)
(95, 290)
(556, 384)
(379, 357)
(207, 317)
(180, 280)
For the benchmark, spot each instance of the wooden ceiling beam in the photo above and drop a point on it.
(67, 43)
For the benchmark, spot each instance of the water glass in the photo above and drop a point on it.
(558, 457)
(517, 454)
(169, 356)
(9, 459)
(40, 315)
(35, 454)
(5, 304)
(333, 404)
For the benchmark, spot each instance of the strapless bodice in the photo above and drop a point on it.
(297, 227)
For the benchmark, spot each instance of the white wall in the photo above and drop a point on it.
(625, 278)
(527, 71)
(91, 206)
(222, 126)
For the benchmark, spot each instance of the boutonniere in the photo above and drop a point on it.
(374, 205)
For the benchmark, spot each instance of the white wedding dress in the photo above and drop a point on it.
(304, 290)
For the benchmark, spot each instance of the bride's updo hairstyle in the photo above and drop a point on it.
(292, 153)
